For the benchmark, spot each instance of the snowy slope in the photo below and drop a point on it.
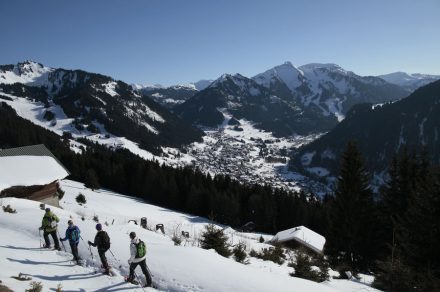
(28, 72)
(174, 268)
(327, 87)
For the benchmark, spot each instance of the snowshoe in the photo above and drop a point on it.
(134, 282)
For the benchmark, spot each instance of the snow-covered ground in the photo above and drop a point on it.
(174, 268)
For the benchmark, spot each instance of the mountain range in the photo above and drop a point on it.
(380, 132)
(286, 100)
(96, 104)
(409, 82)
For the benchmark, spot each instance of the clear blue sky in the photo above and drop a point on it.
(168, 42)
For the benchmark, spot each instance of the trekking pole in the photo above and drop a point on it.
(139, 280)
(120, 265)
(39, 232)
(90, 249)
(62, 242)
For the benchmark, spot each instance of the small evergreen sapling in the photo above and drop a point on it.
(239, 252)
(214, 238)
(309, 267)
(35, 287)
(81, 199)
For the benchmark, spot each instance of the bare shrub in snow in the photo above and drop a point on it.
(59, 288)
(176, 239)
(9, 209)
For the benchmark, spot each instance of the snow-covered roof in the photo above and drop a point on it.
(27, 170)
(303, 235)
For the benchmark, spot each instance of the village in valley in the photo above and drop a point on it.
(247, 154)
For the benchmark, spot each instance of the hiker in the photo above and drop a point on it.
(73, 235)
(102, 242)
(49, 225)
(138, 252)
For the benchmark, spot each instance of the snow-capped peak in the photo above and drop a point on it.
(285, 72)
(202, 84)
(327, 66)
(28, 72)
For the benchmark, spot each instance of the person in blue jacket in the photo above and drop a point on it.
(73, 235)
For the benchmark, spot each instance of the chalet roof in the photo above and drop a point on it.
(302, 235)
(31, 150)
(27, 166)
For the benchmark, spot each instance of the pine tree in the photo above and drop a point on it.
(214, 238)
(91, 179)
(351, 239)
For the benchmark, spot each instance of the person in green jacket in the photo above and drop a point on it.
(49, 225)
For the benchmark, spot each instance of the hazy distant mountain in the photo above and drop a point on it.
(380, 132)
(173, 95)
(93, 101)
(409, 82)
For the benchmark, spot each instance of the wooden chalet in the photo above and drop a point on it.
(31, 172)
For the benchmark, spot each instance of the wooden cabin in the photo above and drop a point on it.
(300, 236)
(31, 172)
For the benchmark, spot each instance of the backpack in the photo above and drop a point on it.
(105, 240)
(141, 249)
(74, 234)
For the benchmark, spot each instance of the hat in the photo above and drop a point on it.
(132, 235)
(47, 209)
(98, 226)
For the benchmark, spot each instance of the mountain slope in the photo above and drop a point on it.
(96, 103)
(409, 82)
(244, 98)
(380, 132)
(174, 268)
(169, 97)
(327, 87)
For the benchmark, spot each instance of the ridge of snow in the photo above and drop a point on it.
(287, 73)
(28, 72)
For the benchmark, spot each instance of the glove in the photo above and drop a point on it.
(61, 239)
(40, 228)
(89, 242)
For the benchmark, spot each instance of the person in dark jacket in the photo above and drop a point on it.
(49, 225)
(73, 235)
(102, 242)
(138, 259)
